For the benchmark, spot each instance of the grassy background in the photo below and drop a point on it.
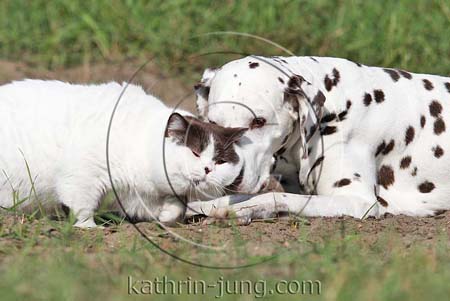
(408, 34)
(72, 265)
(47, 260)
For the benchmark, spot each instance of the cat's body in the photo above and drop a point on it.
(60, 131)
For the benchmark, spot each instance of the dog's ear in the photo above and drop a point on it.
(306, 101)
(302, 96)
(202, 91)
(295, 98)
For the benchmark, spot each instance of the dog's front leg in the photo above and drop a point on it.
(272, 204)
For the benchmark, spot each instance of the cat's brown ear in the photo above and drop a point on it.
(234, 134)
(176, 127)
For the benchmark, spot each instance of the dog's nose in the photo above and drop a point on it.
(207, 170)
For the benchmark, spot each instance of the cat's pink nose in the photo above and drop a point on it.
(207, 170)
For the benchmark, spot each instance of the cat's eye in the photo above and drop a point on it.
(220, 161)
(196, 154)
(257, 122)
(213, 122)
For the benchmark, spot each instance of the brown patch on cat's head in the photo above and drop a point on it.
(196, 135)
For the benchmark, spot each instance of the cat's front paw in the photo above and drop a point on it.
(169, 217)
(86, 224)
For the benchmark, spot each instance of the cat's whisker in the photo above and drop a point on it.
(223, 188)
(218, 188)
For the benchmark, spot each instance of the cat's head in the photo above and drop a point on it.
(205, 157)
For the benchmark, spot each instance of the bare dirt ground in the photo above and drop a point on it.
(280, 232)
(165, 87)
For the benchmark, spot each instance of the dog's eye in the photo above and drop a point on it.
(196, 154)
(213, 122)
(257, 122)
(220, 161)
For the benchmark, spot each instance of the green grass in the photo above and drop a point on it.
(408, 34)
(51, 261)
(48, 260)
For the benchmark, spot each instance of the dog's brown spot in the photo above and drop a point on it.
(405, 162)
(393, 74)
(426, 187)
(405, 74)
(332, 116)
(422, 121)
(337, 77)
(319, 99)
(447, 85)
(342, 116)
(253, 65)
(435, 108)
(382, 201)
(328, 130)
(438, 151)
(380, 148)
(348, 104)
(367, 99)
(342, 182)
(328, 118)
(409, 135)
(328, 83)
(379, 95)
(439, 126)
(389, 147)
(385, 176)
(427, 84)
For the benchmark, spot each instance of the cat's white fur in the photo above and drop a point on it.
(60, 131)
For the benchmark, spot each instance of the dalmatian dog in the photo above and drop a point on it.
(348, 139)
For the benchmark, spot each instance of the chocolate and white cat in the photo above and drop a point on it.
(59, 130)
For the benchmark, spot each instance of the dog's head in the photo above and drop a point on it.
(257, 93)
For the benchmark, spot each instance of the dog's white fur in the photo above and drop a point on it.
(409, 174)
(60, 131)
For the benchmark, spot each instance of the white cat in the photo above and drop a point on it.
(59, 130)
